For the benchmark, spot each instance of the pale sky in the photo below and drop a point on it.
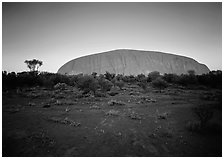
(56, 33)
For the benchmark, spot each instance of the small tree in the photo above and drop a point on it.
(33, 65)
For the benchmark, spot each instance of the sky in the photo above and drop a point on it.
(56, 33)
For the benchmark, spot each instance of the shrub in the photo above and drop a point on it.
(212, 79)
(60, 86)
(189, 79)
(170, 78)
(113, 81)
(115, 102)
(141, 78)
(113, 93)
(94, 74)
(9, 80)
(191, 72)
(120, 84)
(87, 83)
(109, 76)
(159, 83)
(129, 79)
(51, 79)
(143, 85)
(153, 76)
(113, 112)
(119, 77)
(28, 79)
(99, 94)
(105, 84)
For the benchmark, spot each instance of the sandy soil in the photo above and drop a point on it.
(48, 122)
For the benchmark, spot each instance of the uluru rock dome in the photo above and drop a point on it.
(132, 62)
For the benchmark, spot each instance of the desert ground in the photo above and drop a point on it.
(127, 123)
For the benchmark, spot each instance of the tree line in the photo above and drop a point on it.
(105, 81)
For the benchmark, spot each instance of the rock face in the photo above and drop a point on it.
(132, 62)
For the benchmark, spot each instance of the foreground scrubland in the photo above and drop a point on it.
(48, 114)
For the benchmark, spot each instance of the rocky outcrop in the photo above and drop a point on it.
(132, 62)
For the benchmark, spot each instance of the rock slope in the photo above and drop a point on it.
(132, 62)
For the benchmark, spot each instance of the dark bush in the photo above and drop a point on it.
(105, 85)
(120, 84)
(28, 79)
(159, 83)
(113, 93)
(212, 79)
(87, 83)
(12, 80)
(129, 79)
(141, 78)
(119, 77)
(142, 84)
(99, 94)
(171, 78)
(9, 81)
(153, 76)
(109, 76)
(94, 74)
(186, 80)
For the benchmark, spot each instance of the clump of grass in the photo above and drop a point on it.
(100, 94)
(113, 93)
(115, 102)
(95, 107)
(162, 116)
(60, 86)
(112, 113)
(135, 116)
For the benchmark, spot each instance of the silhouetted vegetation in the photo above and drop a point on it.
(34, 64)
(159, 83)
(105, 82)
(105, 85)
(109, 76)
(152, 76)
(119, 83)
(87, 83)
(171, 78)
(143, 85)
